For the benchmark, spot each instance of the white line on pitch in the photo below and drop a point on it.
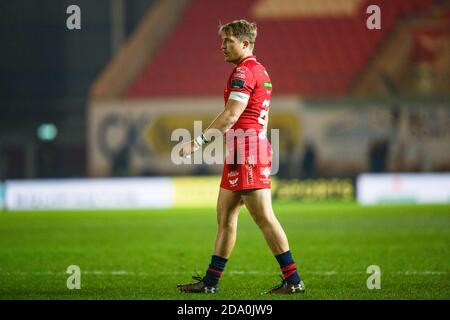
(231, 272)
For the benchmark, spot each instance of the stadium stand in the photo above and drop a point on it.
(413, 59)
(324, 48)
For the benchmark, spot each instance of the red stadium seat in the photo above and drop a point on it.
(312, 56)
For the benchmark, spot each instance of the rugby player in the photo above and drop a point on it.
(246, 173)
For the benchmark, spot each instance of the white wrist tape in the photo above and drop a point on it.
(199, 140)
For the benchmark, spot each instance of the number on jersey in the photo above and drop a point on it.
(263, 115)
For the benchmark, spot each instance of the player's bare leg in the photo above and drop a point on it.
(259, 204)
(228, 206)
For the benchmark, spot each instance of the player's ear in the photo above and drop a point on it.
(245, 44)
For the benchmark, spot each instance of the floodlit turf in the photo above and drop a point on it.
(143, 255)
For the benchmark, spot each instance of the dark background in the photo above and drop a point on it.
(45, 74)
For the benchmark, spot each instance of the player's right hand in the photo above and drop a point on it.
(188, 148)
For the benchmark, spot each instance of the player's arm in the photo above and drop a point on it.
(224, 121)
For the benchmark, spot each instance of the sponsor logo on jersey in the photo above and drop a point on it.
(250, 177)
(265, 172)
(250, 165)
(233, 173)
(237, 84)
(233, 182)
(239, 73)
(267, 84)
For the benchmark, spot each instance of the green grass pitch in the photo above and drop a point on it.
(144, 254)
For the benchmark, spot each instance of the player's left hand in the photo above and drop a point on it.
(188, 148)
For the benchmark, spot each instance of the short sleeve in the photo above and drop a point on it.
(242, 84)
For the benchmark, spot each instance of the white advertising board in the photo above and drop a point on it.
(403, 188)
(118, 193)
(2, 195)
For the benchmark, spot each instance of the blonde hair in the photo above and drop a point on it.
(241, 29)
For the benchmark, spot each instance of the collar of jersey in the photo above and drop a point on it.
(252, 57)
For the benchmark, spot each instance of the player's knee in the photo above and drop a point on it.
(227, 224)
(264, 221)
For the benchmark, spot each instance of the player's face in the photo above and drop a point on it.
(233, 49)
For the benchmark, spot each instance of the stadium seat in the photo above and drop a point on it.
(310, 47)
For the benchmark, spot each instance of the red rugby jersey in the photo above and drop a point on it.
(250, 83)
